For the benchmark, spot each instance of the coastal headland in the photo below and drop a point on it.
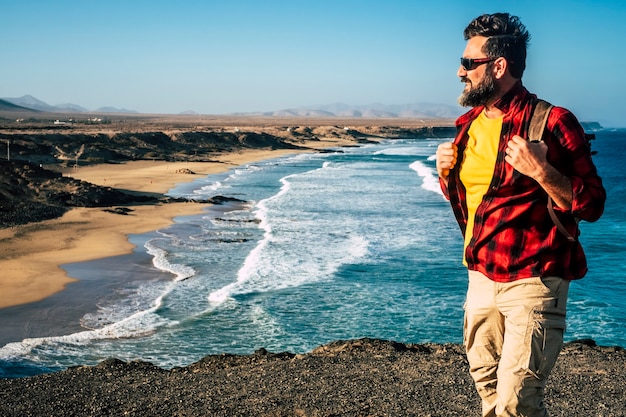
(73, 191)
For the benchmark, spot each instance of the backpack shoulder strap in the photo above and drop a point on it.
(535, 132)
(539, 120)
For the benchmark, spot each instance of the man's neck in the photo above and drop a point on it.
(491, 110)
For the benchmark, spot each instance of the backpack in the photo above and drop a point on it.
(537, 126)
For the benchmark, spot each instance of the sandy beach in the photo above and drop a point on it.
(31, 255)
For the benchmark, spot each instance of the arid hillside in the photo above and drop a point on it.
(39, 150)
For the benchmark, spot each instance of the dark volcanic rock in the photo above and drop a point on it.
(31, 193)
(50, 148)
(346, 378)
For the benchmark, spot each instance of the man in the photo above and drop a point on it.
(498, 184)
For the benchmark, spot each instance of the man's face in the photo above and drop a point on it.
(480, 83)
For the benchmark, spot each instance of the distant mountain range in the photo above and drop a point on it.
(8, 106)
(377, 110)
(415, 110)
(33, 103)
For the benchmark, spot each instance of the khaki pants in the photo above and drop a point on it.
(513, 335)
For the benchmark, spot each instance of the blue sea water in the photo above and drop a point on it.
(324, 246)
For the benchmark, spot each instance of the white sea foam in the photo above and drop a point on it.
(292, 251)
(210, 188)
(160, 261)
(401, 151)
(429, 178)
(139, 324)
(224, 183)
(253, 259)
(132, 301)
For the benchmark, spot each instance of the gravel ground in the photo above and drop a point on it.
(365, 377)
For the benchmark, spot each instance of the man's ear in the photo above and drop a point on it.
(500, 67)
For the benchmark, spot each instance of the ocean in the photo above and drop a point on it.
(355, 242)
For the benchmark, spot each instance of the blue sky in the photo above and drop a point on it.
(218, 57)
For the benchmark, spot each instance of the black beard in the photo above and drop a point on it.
(480, 95)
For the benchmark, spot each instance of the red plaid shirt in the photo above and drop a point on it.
(514, 236)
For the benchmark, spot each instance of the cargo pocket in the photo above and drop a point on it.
(546, 343)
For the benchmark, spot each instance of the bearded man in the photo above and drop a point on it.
(500, 185)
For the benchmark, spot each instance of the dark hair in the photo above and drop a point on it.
(507, 37)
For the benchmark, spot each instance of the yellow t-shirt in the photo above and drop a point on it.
(479, 160)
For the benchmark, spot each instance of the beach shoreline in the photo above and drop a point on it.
(31, 254)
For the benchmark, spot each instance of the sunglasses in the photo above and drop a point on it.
(469, 64)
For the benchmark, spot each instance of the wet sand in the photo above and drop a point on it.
(61, 313)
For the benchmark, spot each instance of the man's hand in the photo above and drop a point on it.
(529, 158)
(446, 159)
